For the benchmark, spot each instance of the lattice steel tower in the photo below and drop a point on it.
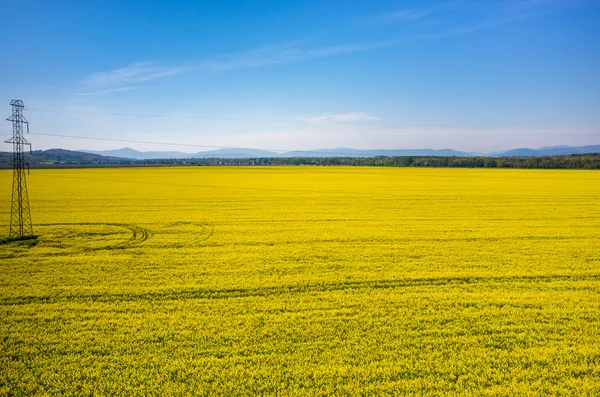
(20, 216)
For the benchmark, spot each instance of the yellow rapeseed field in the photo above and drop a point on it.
(303, 281)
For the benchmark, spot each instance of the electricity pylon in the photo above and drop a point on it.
(20, 216)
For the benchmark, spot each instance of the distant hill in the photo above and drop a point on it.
(236, 153)
(61, 156)
(550, 151)
(130, 153)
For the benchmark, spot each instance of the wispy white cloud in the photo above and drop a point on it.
(254, 57)
(422, 13)
(126, 78)
(285, 54)
(409, 14)
(279, 54)
(107, 91)
(139, 72)
(340, 118)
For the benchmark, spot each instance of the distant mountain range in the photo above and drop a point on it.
(129, 153)
(548, 151)
(254, 153)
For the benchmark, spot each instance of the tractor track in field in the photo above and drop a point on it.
(401, 240)
(240, 293)
(139, 234)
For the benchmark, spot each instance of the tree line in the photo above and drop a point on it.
(59, 157)
(575, 161)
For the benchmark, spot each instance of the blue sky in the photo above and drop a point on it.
(462, 74)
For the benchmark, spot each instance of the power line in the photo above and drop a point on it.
(357, 153)
(199, 146)
(147, 142)
(264, 120)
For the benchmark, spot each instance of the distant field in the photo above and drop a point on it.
(303, 280)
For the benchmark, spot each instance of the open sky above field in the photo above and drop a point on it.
(463, 74)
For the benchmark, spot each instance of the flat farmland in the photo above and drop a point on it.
(303, 280)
